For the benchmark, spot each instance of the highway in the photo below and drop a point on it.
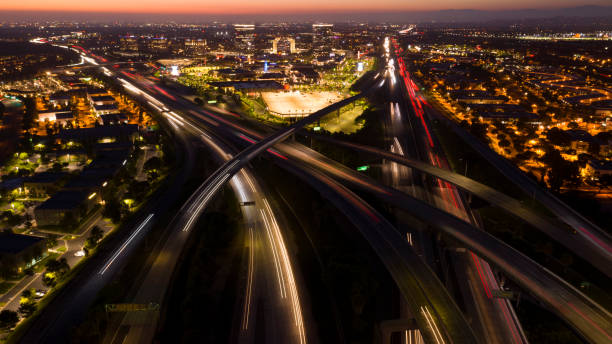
(270, 274)
(584, 315)
(493, 318)
(443, 315)
(557, 232)
(598, 242)
(435, 312)
(399, 135)
(588, 318)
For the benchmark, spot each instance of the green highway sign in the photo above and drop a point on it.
(131, 307)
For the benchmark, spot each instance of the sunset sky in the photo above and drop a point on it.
(279, 6)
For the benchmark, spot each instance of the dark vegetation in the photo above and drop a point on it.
(200, 304)
(349, 290)
(33, 58)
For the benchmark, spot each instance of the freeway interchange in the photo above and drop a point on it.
(272, 273)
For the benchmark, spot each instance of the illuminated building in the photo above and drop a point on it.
(195, 46)
(283, 45)
(321, 35)
(244, 36)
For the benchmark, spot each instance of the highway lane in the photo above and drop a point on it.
(582, 248)
(209, 120)
(585, 316)
(434, 307)
(598, 241)
(497, 321)
(284, 320)
(400, 136)
(437, 316)
(408, 138)
(588, 318)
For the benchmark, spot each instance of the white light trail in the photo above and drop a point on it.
(398, 147)
(200, 204)
(432, 324)
(127, 242)
(249, 290)
(155, 106)
(288, 271)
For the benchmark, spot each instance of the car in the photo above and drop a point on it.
(79, 253)
(40, 293)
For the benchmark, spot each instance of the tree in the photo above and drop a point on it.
(51, 242)
(28, 293)
(95, 235)
(27, 307)
(154, 163)
(558, 137)
(59, 266)
(504, 143)
(112, 210)
(8, 319)
(152, 175)
(137, 190)
(560, 170)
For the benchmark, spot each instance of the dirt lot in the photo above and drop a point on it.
(299, 103)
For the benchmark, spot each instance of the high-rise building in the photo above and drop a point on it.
(321, 35)
(129, 43)
(195, 46)
(244, 36)
(283, 45)
(158, 44)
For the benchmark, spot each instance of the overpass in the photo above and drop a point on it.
(588, 318)
(434, 310)
(598, 240)
(577, 244)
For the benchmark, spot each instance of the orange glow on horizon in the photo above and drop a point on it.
(240, 7)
